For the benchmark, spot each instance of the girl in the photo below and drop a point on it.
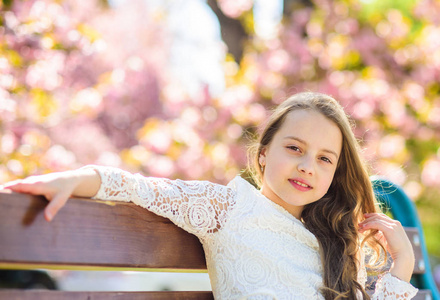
(299, 236)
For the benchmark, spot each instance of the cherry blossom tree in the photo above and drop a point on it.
(83, 82)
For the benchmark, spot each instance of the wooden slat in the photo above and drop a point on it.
(56, 295)
(414, 237)
(92, 234)
(423, 295)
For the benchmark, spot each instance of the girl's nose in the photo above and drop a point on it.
(306, 166)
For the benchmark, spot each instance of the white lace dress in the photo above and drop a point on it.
(254, 248)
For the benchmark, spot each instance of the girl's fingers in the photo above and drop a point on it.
(56, 187)
(18, 187)
(29, 188)
(382, 225)
(378, 221)
(54, 206)
(368, 222)
(13, 185)
(391, 234)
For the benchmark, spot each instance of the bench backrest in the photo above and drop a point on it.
(93, 235)
(103, 235)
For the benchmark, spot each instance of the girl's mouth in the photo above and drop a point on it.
(299, 185)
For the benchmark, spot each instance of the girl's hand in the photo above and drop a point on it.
(58, 187)
(394, 238)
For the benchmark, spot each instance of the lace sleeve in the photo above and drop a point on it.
(199, 207)
(390, 287)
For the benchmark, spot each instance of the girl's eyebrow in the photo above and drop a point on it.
(305, 143)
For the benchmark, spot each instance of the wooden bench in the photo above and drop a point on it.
(104, 235)
(93, 235)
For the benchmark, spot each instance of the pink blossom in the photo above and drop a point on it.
(8, 143)
(58, 158)
(314, 29)
(237, 96)
(431, 173)
(191, 116)
(278, 60)
(108, 158)
(161, 166)
(434, 116)
(413, 189)
(391, 145)
(14, 166)
(234, 131)
(392, 171)
(348, 26)
(235, 8)
(363, 110)
(86, 99)
(415, 94)
(45, 73)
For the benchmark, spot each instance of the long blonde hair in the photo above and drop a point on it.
(334, 218)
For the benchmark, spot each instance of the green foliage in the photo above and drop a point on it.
(375, 9)
(6, 3)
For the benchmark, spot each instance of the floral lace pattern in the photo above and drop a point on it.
(389, 287)
(254, 248)
(198, 207)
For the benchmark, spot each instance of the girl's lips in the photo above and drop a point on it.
(300, 185)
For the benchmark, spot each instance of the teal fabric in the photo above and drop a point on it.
(403, 209)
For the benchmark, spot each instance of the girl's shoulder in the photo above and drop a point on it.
(243, 190)
(239, 182)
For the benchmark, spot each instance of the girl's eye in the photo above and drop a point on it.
(326, 159)
(294, 148)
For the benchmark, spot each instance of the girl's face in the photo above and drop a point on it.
(300, 162)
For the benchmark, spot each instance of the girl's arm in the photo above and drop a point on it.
(394, 284)
(58, 187)
(396, 242)
(199, 207)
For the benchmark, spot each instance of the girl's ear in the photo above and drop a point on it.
(262, 157)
